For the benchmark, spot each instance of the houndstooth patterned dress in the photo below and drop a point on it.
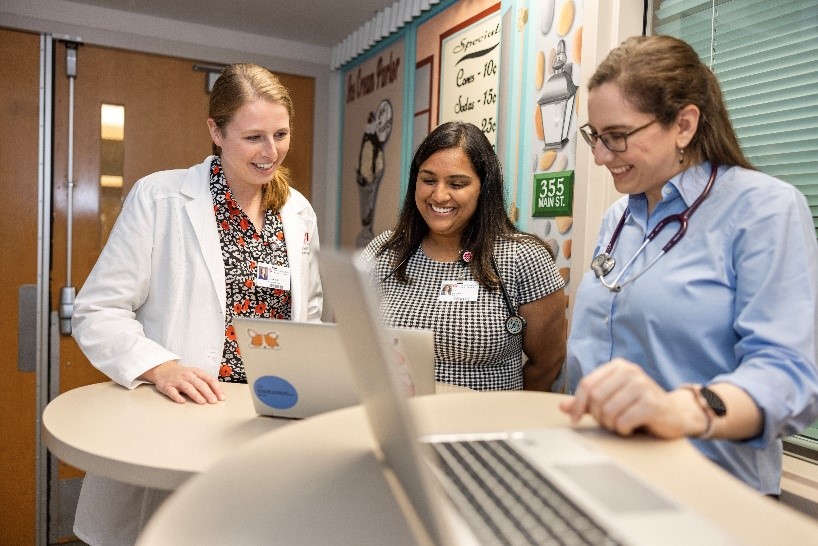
(472, 347)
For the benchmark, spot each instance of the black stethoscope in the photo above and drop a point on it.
(515, 324)
(604, 263)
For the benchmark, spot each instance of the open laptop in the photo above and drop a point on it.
(300, 369)
(560, 484)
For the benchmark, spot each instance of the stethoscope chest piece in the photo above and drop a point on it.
(603, 264)
(515, 324)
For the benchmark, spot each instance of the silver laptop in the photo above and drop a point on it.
(300, 369)
(502, 488)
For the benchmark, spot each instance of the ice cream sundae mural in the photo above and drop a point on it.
(371, 173)
(371, 166)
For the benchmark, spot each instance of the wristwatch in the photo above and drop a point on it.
(711, 404)
(713, 401)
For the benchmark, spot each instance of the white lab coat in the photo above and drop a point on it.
(157, 293)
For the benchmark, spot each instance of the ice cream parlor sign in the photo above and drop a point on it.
(362, 82)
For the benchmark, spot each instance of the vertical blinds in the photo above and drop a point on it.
(765, 55)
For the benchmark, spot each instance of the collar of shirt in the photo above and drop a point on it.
(678, 194)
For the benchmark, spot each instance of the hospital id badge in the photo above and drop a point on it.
(458, 291)
(273, 276)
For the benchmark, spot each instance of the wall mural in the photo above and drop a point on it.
(555, 28)
(456, 72)
(371, 164)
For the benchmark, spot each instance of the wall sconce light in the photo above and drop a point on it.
(557, 101)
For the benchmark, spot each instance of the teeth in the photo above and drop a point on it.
(442, 210)
(263, 165)
(618, 170)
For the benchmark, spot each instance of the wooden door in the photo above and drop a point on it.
(299, 158)
(165, 112)
(19, 119)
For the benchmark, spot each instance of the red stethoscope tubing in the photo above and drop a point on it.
(683, 218)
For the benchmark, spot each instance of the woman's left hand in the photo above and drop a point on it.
(623, 398)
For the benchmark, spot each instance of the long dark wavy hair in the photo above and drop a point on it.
(489, 222)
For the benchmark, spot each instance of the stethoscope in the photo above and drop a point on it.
(515, 324)
(604, 263)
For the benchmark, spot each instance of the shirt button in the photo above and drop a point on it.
(607, 320)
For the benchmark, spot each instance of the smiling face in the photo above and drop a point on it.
(446, 194)
(652, 155)
(253, 144)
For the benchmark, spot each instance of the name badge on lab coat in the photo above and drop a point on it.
(273, 276)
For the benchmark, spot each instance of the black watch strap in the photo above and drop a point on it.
(711, 404)
(714, 401)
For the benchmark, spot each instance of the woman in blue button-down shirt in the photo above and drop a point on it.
(730, 307)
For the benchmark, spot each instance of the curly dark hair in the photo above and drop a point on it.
(489, 221)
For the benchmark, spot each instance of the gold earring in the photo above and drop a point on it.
(681, 155)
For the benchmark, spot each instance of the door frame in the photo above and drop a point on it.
(42, 459)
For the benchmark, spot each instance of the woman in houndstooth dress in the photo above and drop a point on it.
(453, 230)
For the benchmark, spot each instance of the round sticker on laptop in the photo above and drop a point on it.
(276, 392)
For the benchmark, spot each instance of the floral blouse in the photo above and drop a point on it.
(247, 255)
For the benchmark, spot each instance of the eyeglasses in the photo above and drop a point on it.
(615, 142)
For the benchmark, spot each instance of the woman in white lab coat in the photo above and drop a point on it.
(191, 249)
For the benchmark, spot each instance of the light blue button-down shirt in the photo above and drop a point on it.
(736, 300)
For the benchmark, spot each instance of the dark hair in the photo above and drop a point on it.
(660, 75)
(237, 85)
(490, 219)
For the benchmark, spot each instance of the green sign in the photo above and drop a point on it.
(553, 194)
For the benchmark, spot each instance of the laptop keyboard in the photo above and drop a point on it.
(505, 500)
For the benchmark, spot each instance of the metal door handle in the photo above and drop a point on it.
(27, 328)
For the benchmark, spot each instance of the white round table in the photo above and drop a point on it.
(319, 481)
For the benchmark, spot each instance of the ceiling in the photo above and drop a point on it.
(320, 22)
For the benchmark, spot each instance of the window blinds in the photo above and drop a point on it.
(765, 55)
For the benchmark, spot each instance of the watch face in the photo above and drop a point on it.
(713, 400)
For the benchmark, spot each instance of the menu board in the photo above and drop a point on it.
(469, 74)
